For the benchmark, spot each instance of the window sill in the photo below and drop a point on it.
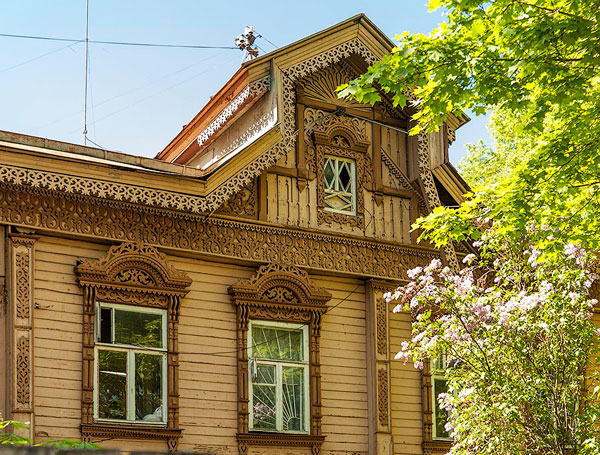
(128, 431)
(264, 438)
(436, 447)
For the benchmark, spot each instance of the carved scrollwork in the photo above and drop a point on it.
(383, 397)
(22, 286)
(244, 203)
(23, 361)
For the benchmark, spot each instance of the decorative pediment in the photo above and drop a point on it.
(134, 265)
(341, 132)
(322, 86)
(280, 284)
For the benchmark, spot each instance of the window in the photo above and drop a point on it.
(340, 184)
(439, 384)
(131, 364)
(279, 372)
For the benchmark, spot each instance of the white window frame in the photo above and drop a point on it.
(278, 386)
(352, 184)
(437, 366)
(131, 351)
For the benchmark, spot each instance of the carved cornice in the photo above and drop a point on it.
(250, 241)
(253, 90)
(134, 265)
(119, 431)
(284, 286)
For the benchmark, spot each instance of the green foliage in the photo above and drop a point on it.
(8, 437)
(536, 64)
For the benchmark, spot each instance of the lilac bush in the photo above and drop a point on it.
(515, 325)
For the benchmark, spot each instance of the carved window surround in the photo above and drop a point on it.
(430, 446)
(133, 274)
(338, 137)
(280, 293)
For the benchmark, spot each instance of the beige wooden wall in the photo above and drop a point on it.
(405, 390)
(207, 380)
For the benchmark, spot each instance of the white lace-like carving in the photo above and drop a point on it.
(253, 90)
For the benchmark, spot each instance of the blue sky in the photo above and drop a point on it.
(139, 98)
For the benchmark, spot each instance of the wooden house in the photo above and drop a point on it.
(226, 296)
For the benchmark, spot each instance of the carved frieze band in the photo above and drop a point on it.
(215, 236)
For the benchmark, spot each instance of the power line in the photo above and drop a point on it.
(8, 68)
(297, 329)
(116, 43)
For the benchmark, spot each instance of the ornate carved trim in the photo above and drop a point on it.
(137, 274)
(383, 395)
(403, 180)
(23, 371)
(281, 293)
(431, 195)
(280, 440)
(288, 142)
(254, 90)
(436, 447)
(244, 203)
(339, 136)
(20, 342)
(130, 432)
(252, 241)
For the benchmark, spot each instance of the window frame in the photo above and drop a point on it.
(139, 278)
(305, 364)
(130, 365)
(329, 192)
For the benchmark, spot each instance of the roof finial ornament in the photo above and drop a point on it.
(245, 42)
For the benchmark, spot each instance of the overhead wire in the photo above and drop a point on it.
(117, 43)
(297, 329)
(8, 68)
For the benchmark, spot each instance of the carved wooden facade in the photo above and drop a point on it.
(227, 226)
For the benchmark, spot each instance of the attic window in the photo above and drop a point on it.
(340, 184)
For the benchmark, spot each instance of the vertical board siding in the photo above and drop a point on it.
(405, 388)
(344, 368)
(207, 346)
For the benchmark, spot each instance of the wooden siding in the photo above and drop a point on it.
(208, 395)
(405, 388)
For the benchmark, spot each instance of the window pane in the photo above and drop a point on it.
(329, 174)
(345, 177)
(112, 385)
(441, 415)
(264, 407)
(292, 383)
(138, 329)
(106, 325)
(277, 344)
(265, 374)
(148, 387)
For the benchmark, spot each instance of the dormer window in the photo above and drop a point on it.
(340, 184)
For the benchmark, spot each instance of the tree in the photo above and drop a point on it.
(517, 335)
(516, 322)
(536, 64)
